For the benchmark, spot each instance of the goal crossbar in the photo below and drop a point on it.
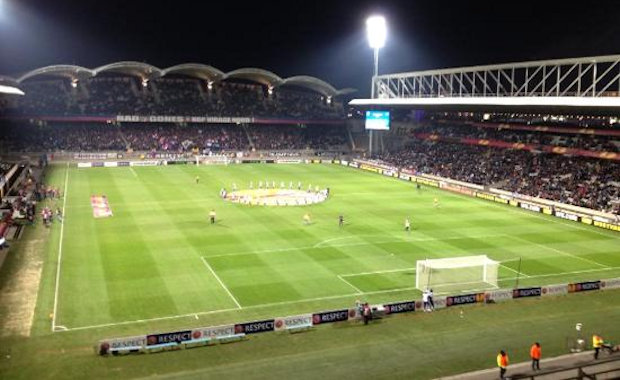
(455, 271)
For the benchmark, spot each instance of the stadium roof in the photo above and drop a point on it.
(133, 68)
(194, 70)
(261, 76)
(601, 105)
(66, 71)
(9, 86)
(317, 85)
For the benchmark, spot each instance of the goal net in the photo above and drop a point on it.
(457, 273)
(214, 159)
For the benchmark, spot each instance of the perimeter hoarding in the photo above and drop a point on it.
(255, 327)
(330, 316)
(294, 322)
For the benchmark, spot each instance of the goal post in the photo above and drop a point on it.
(212, 160)
(457, 273)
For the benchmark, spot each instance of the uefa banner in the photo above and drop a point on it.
(527, 292)
(172, 337)
(498, 295)
(298, 321)
(399, 307)
(464, 299)
(610, 283)
(130, 342)
(584, 286)
(255, 327)
(440, 303)
(427, 182)
(216, 332)
(555, 290)
(148, 163)
(330, 316)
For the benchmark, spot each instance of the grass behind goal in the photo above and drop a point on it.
(159, 258)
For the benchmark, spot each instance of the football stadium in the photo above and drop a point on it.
(187, 222)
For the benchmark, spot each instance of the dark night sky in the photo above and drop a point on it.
(321, 38)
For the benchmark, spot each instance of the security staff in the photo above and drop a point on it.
(597, 343)
(535, 353)
(502, 363)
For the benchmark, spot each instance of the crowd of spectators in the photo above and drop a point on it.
(171, 138)
(294, 137)
(4, 167)
(50, 138)
(579, 141)
(578, 121)
(122, 95)
(25, 197)
(174, 138)
(591, 183)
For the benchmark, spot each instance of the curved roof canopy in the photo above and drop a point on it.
(138, 69)
(195, 70)
(346, 91)
(65, 71)
(261, 76)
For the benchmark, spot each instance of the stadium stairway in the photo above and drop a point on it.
(560, 367)
(247, 134)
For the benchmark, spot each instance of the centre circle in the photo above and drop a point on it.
(276, 197)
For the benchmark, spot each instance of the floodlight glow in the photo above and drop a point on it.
(377, 31)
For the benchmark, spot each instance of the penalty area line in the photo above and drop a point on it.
(377, 272)
(515, 271)
(221, 282)
(283, 303)
(350, 284)
(259, 306)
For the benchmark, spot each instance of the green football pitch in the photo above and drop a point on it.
(159, 259)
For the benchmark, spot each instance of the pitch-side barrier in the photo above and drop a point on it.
(206, 336)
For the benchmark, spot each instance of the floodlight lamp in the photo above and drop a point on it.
(377, 31)
(74, 83)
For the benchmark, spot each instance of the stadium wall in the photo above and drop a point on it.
(172, 119)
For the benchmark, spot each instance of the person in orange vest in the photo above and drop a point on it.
(502, 363)
(535, 353)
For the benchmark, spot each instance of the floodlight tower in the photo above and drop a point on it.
(377, 32)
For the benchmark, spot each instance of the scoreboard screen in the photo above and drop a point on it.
(378, 120)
